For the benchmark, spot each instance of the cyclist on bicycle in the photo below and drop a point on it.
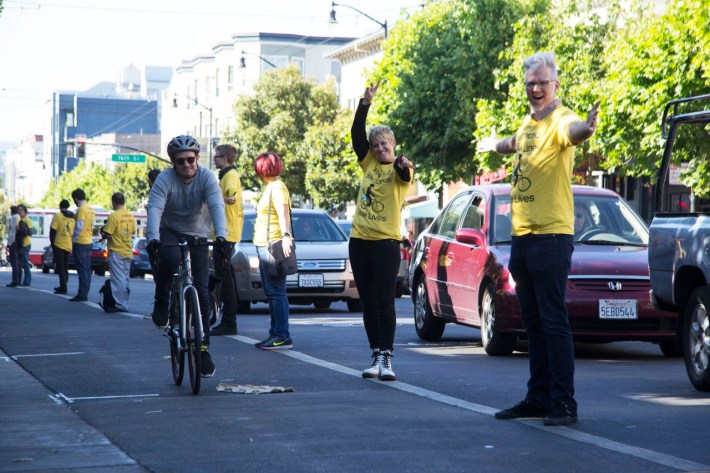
(185, 202)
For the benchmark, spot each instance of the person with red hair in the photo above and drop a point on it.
(273, 222)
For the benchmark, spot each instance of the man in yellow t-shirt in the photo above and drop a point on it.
(542, 245)
(119, 230)
(229, 182)
(82, 239)
(60, 233)
(23, 242)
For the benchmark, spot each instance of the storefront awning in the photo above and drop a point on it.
(426, 209)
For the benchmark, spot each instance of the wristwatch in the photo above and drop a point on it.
(286, 234)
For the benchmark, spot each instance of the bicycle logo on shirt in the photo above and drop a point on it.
(368, 200)
(518, 180)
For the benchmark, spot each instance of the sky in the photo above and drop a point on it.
(71, 45)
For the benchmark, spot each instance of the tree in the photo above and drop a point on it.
(276, 118)
(654, 59)
(435, 67)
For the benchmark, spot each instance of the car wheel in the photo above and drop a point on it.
(321, 305)
(428, 326)
(132, 273)
(45, 269)
(696, 339)
(354, 305)
(494, 342)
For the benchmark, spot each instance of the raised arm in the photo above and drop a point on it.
(358, 132)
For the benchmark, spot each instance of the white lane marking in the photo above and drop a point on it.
(33, 355)
(572, 434)
(70, 400)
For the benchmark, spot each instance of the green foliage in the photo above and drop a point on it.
(333, 175)
(276, 118)
(99, 184)
(435, 68)
(656, 58)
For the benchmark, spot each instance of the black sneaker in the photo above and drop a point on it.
(523, 409)
(561, 414)
(12, 284)
(277, 343)
(160, 318)
(264, 342)
(79, 299)
(206, 365)
(60, 291)
(222, 329)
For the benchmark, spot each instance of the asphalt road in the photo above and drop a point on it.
(82, 390)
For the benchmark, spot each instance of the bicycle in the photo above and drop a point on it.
(185, 329)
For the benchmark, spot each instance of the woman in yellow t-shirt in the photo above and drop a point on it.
(273, 222)
(376, 233)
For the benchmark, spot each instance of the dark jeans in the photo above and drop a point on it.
(167, 266)
(223, 272)
(275, 289)
(540, 265)
(25, 273)
(14, 258)
(82, 259)
(61, 266)
(375, 264)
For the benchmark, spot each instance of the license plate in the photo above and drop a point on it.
(620, 309)
(310, 280)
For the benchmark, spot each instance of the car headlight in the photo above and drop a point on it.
(254, 264)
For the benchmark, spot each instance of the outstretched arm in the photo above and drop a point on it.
(496, 145)
(357, 132)
(581, 131)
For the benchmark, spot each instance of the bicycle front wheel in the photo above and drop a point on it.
(177, 352)
(194, 338)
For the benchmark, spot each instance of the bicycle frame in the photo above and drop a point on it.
(184, 283)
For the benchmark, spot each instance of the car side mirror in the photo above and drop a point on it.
(469, 236)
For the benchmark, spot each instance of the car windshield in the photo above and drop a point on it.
(306, 227)
(599, 220)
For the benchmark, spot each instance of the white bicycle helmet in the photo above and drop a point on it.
(183, 143)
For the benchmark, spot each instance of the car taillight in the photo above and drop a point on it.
(136, 253)
(104, 253)
(405, 253)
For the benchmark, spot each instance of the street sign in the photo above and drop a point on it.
(128, 158)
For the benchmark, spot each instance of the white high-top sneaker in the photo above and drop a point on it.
(386, 373)
(374, 370)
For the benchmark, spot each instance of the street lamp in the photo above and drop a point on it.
(209, 109)
(333, 19)
(243, 62)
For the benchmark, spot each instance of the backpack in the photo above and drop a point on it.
(106, 299)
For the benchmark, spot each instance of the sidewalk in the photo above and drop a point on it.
(37, 433)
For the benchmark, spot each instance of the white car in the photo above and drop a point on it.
(324, 273)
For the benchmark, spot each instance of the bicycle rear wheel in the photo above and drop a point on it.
(177, 352)
(194, 338)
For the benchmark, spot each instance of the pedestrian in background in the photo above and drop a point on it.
(82, 240)
(119, 230)
(376, 233)
(541, 247)
(23, 242)
(231, 185)
(60, 233)
(152, 176)
(11, 248)
(273, 222)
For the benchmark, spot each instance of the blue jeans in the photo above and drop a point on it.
(540, 265)
(275, 289)
(25, 266)
(82, 259)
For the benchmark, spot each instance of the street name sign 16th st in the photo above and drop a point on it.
(128, 158)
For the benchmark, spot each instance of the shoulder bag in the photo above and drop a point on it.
(277, 264)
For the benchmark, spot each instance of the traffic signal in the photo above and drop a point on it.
(81, 149)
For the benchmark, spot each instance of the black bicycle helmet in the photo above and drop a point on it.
(183, 143)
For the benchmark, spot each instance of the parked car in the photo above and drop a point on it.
(405, 251)
(140, 261)
(99, 258)
(324, 274)
(459, 273)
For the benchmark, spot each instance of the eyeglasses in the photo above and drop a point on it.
(219, 156)
(181, 161)
(540, 83)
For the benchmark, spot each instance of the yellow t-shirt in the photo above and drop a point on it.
(379, 203)
(86, 214)
(231, 186)
(64, 228)
(541, 197)
(265, 213)
(121, 225)
(27, 241)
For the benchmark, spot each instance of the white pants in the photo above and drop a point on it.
(120, 268)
